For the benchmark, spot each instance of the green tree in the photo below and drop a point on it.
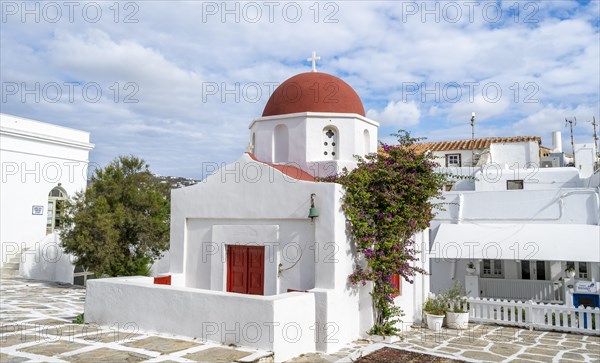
(120, 224)
(388, 198)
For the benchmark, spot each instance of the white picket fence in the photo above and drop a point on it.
(535, 315)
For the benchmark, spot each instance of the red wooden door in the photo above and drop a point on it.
(245, 269)
(256, 260)
(237, 269)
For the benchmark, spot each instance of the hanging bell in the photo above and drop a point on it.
(313, 213)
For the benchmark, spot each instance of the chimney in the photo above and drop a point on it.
(556, 142)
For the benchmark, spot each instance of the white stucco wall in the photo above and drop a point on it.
(568, 205)
(283, 323)
(46, 260)
(585, 156)
(35, 158)
(493, 177)
(515, 154)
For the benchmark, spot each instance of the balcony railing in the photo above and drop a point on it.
(515, 289)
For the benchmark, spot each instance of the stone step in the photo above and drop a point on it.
(7, 273)
(11, 266)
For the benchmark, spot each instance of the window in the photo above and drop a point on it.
(330, 143)
(514, 184)
(492, 268)
(253, 144)
(280, 144)
(525, 270)
(453, 160)
(581, 269)
(582, 272)
(397, 282)
(56, 209)
(366, 142)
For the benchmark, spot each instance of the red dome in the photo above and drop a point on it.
(313, 92)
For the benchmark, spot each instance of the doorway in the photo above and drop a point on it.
(533, 270)
(245, 269)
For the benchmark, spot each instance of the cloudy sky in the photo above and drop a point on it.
(178, 82)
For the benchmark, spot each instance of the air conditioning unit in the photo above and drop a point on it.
(550, 162)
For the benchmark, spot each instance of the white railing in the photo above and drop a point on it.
(536, 290)
(535, 315)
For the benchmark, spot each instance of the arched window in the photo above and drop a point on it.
(252, 147)
(366, 142)
(330, 143)
(56, 208)
(280, 144)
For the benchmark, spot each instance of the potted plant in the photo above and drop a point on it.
(471, 268)
(434, 309)
(457, 307)
(570, 270)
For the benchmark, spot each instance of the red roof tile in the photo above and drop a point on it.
(289, 170)
(483, 143)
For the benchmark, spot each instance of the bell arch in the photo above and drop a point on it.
(330, 136)
(280, 144)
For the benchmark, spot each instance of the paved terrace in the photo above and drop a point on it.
(35, 325)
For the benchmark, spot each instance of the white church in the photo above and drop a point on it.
(260, 253)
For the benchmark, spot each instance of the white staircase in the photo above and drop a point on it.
(11, 267)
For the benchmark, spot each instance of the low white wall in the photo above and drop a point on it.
(565, 206)
(45, 260)
(493, 177)
(283, 323)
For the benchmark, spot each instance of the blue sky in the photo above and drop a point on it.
(162, 69)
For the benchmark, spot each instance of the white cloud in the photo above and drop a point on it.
(397, 114)
(170, 51)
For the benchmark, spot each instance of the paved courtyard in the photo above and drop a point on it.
(36, 325)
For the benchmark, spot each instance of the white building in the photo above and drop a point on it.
(247, 264)
(42, 165)
(520, 227)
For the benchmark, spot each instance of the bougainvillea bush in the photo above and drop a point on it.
(388, 199)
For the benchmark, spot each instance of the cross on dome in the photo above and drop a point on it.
(314, 60)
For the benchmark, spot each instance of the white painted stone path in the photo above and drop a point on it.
(35, 325)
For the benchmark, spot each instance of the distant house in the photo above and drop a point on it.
(521, 150)
(521, 220)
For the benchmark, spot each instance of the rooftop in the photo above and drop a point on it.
(483, 143)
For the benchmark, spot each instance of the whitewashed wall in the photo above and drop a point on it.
(35, 158)
(571, 206)
(515, 154)
(494, 177)
(46, 260)
(283, 324)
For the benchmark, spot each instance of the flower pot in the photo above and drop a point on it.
(457, 320)
(434, 322)
(390, 339)
(471, 271)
